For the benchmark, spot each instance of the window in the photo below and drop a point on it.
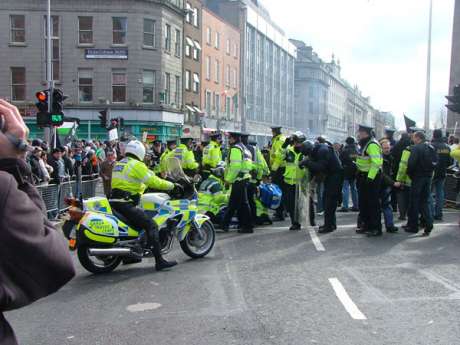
(119, 82)
(188, 81)
(177, 44)
(18, 29)
(188, 13)
(228, 101)
(235, 50)
(85, 85)
(196, 82)
(149, 33)
(227, 75)
(85, 30)
(197, 51)
(208, 67)
(168, 37)
(217, 104)
(208, 101)
(195, 17)
(228, 47)
(234, 78)
(119, 29)
(217, 71)
(217, 42)
(188, 46)
(208, 36)
(55, 47)
(168, 88)
(18, 84)
(177, 94)
(148, 87)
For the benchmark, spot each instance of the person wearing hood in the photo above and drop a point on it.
(348, 158)
(369, 164)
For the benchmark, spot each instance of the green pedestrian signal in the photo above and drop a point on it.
(57, 119)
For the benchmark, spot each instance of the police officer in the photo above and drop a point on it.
(171, 145)
(440, 172)
(277, 165)
(212, 155)
(420, 167)
(129, 180)
(185, 155)
(237, 175)
(293, 176)
(323, 160)
(348, 158)
(369, 164)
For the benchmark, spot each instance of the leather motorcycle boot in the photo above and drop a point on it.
(295, 227)
(392, 229)
(160, 262)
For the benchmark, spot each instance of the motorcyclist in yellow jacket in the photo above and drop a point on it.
(369, 164)
(186, 157)
(212, 155)
(237, 175)
(130, 178)
(277, 165)
(169, 152)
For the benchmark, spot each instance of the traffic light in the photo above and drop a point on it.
(57, 108)
(42, 106)
(103, 118)
(113, 124)
(454, 101)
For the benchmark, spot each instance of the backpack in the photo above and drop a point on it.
(270, 195)
(430, 158)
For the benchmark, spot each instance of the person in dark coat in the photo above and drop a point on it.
(402, 194)
(34, 259)
(324, 160)
(348, 158)
(440, 172)
(387, 186)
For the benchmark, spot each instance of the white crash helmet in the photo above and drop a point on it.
(136, 148)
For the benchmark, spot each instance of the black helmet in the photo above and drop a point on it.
(37, 142)
(307, 147)
(350, 141)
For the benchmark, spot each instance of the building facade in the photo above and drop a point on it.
(192, 60)
(221, 73)
(125, 55)
(453, 119)
(325, 104)
(267, 67)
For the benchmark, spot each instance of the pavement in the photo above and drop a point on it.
(271, 287)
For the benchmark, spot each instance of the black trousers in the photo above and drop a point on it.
(252, 191)
(278, 179)
(332, 194)
(238, 203)
(291, 203)
(419, 202)
(138, 219)
(370, 211)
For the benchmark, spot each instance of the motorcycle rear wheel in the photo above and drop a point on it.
(103, 266)
(199, 248)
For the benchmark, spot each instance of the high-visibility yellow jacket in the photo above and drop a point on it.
(293, 174)
(276, 152)
(402, 169)
(186, 157)
(370, 160)
(455, 154)
(164, 160)
(239, 164)
(261, 165)
(212, 155)
(133, 176)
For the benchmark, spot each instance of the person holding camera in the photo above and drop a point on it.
(34, 260)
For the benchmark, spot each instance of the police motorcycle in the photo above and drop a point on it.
(104, 239)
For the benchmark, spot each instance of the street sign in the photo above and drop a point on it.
(110, 54)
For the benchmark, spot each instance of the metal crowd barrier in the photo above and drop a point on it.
(54, 194)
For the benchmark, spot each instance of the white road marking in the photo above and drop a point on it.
(135, 308)
(346, 301)
(315, 239)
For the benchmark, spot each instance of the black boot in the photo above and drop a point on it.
(160, 262)
(295, 227)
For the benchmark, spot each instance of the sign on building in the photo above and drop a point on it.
(112, 54)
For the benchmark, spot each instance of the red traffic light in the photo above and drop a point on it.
(41, 96)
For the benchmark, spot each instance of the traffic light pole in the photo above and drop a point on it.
(50, 132)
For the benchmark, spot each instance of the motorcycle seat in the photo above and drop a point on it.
(125, 220)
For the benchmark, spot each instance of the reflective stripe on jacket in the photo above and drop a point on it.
(293, 174)
(276, 153)
(186, 157)
(238, 164)
(212, 155)
(133, 176)
(370, 160)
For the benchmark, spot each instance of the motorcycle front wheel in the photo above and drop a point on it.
(198, 245)
(97, 265)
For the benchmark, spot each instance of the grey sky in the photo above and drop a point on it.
(381, 44)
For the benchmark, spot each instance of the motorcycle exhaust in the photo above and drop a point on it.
(109, 251)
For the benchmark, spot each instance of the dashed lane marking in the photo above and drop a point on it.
(346, 301)
(140, 307)
(315, 239)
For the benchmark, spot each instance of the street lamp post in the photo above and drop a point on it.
(428, 72)
(49, 132)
